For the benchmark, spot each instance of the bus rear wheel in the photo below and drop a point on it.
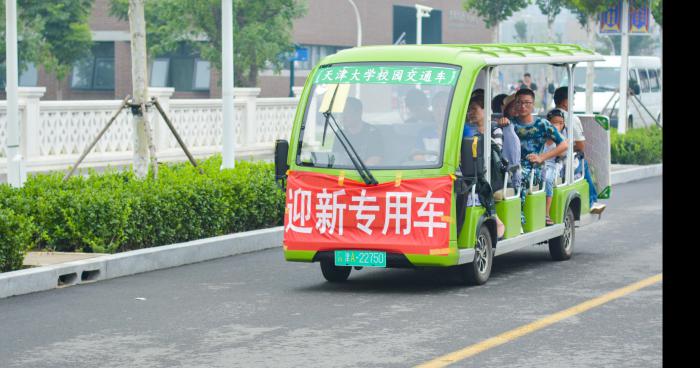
(333, 273)
(562, 247)
(478, 271)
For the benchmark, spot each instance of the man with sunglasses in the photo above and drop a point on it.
(533, 133)
(561, 100)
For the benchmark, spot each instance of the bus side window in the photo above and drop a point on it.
(633, 75)
(653, 80)
(644, 80)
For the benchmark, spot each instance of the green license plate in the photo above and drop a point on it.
(360, 258)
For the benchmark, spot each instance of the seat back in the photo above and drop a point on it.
(472, 157)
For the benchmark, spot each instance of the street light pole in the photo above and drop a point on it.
(359, 23)
(624, 73)
(422, 11)
(228, 145)
(15, 164)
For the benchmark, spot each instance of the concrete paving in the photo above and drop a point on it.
(35, 259)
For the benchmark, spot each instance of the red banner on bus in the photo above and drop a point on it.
(325, 212)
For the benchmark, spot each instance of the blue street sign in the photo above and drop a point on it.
(301, 54)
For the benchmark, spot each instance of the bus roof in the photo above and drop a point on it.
(485, 54)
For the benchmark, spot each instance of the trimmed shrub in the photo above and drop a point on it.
(641, 146)
(113, 211)
(17, 236)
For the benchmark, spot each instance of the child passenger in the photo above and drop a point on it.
(552, 166)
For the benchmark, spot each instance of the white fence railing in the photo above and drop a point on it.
(55, 133)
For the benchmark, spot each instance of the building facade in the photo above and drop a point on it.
(328, 26)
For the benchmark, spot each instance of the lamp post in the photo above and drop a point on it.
(15, 175)
(229, 141)
(422, 11)
(359, 23)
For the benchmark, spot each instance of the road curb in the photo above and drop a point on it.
(635, 173)
(136, 261)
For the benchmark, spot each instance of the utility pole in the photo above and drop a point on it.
(139, 73)
(229, 142)
(15, 161)
(624, 72)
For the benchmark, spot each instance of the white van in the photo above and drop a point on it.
(644, 70)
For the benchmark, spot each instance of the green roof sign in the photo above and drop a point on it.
(387, 75)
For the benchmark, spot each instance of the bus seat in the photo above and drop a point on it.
(469, 166)
(500, 195)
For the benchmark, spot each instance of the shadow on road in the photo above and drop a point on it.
(431, 279)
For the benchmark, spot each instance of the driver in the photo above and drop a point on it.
(364, 137)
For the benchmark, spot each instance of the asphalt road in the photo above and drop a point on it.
(255, 310)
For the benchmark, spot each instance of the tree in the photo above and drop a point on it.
(550, 8)
(29, 29)
(657, 10)
(521, 31)
(639, 45)
(493, 12)
(49, 31)
(54, 34)
(261, 31)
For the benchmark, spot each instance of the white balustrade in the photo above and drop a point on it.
(55, 133)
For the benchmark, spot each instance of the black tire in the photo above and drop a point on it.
(478, 271)
(334, 273)
(562, 247)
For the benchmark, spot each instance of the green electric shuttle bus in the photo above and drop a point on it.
(378, 172)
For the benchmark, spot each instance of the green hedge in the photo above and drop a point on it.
(113, 212)
(17, 235)
(641, 146)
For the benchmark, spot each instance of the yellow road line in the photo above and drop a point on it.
(511, 335)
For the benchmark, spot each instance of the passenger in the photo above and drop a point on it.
(561, 100)
(417, 105)
(533, 133)
(364, 137)
(497, 105)
(511, 142)
(553, 165)
(475, 113)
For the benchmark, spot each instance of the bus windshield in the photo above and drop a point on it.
(606, 79)
(393, 115)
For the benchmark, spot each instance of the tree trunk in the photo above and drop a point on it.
(590, 71)
(139, 71)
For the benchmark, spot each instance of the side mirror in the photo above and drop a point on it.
(281, 167)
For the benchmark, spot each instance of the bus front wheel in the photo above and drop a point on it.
(478, 271)
(562, 247)
(334, 273)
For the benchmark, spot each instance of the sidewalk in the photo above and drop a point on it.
(36, 259)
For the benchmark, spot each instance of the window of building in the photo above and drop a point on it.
(182, 70)
(405, 26)
(27, 78)
(96, 71)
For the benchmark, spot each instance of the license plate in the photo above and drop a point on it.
(360, 258)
